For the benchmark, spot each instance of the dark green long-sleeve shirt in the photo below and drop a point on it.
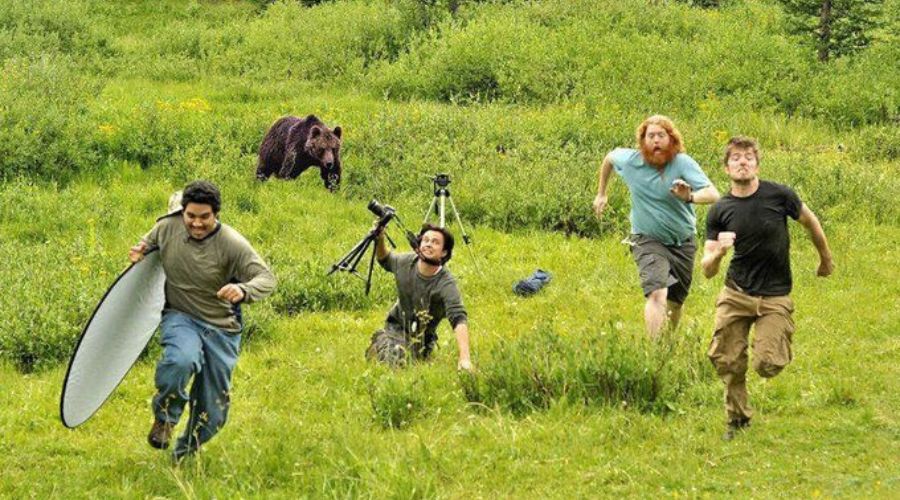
(197, 269)
(422, 302)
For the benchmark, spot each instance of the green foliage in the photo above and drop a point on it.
(43, 128)
(858, 91)
(538, 369)
(834, 27)
(398, 398)
(706, 4)
(305, 288)
(45, 26)
(528, 159)
(288, 42)
(106, 108)
(311, 418)
(59, 271)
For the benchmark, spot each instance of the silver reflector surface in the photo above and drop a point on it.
(119, 329)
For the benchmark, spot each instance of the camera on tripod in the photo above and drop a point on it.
(441, 181)
(350, 261)
(384, 212)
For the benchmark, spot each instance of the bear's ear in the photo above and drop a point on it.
(337, 132)
(315, 131)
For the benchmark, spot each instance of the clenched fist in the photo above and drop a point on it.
(231, 292)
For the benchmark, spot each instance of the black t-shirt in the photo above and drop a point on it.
(761, 264)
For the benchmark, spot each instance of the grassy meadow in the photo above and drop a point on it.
(106, 108)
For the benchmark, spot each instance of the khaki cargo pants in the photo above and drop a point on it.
(736, 312)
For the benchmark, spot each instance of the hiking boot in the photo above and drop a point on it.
(160, 434)
(735, 426)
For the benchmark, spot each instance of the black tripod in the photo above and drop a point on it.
(351, 260)
(439, 202)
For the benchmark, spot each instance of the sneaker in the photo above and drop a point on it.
(735, 426)
(160, 434)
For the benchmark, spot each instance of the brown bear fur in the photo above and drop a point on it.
(292, 145)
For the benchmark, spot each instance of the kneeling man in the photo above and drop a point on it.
(426, 294)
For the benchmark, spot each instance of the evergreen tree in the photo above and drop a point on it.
(835, 27)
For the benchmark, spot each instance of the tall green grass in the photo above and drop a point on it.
(518, 101)
(106, 108)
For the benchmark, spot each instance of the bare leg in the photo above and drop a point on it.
(655, 312)
(674, 313)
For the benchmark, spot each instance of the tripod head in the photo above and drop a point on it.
(441, 182)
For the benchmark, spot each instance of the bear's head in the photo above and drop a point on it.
(324, 145)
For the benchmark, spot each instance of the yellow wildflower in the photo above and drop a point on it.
(195, 104)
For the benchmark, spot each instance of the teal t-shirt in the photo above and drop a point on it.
(655, 211)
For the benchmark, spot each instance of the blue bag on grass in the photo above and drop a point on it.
(532, 284)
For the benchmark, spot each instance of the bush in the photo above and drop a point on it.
(45, 27)
(397, 400)
(287, 42)
(401, 397)
(849, 93)
(43, 130)
(56, 273)
(537, 369)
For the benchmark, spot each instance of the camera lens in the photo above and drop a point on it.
(376, 208)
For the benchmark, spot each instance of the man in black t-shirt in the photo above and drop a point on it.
(752, 219)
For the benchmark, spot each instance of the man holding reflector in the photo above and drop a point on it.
(210, 269)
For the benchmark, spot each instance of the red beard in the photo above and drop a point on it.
(659, 158)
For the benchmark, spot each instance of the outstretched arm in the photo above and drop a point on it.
(705, 196)
(809, 220)
(462, 340)
(600, 201)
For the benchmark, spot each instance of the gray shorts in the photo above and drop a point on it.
(664, 266)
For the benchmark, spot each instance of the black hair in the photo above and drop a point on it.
(203, 192)
(448, 239)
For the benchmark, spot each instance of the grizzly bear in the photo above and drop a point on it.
(292, 145)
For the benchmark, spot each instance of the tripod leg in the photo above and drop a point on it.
(465, 236)
(430, 209)
(349, 261)
(369, 277)
(362, 253)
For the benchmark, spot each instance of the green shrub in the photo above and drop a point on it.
(45, 27)
(849, 93)
(402, 397)
(538, 369)
(43, 130)
(286, 41)
(397, 400)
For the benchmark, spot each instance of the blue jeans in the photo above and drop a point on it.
(193, 348)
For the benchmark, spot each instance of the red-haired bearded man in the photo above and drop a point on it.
(664, 183)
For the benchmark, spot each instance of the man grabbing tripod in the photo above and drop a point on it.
(426, 293)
